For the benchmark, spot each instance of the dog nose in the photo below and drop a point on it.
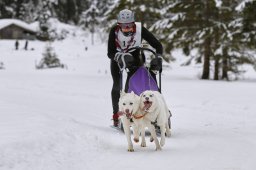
(127, 110)
(147, 98)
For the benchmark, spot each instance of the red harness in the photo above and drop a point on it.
(130, 115)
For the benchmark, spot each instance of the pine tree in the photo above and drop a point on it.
(19, 9)
(30, 12)
(104, 8)
(94, 17)
(248, 32)
(231, 43)
(226, 42)
(7, 9)
(81, 6)
(188, 24)
(212, 27)
(71, 13)
(44, 20)
(2, 9)
(26, 10)
(249, 22)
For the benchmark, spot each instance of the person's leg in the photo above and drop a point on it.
(115, 92)
(129, 75)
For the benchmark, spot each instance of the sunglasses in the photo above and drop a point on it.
(126, 27)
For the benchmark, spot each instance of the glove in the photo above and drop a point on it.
(156, 63)
(124, 60)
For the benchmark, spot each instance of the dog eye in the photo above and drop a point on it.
(144, 95)
(124, 104)
(151, 95)
(131, 103)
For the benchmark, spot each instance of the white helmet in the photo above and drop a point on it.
(125, 16)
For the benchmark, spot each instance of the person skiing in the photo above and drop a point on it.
(123, 36)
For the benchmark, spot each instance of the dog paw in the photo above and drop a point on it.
(143, 144)
(151, 139)
(130, 150)
(158, 148)
(162, 142)
(168, 134)
(136, 140)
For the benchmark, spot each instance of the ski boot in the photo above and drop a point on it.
(117, 123)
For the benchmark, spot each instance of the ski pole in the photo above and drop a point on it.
(160, 82)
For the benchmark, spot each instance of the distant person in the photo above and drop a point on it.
(16, 44)
(26, 45)
(1, 65)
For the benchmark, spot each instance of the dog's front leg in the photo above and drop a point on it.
(153, 135)
(127, 131)
(143, 140)
(136, 133)
(162, 141)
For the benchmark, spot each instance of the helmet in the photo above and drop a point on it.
(125, 16)
(126, 23)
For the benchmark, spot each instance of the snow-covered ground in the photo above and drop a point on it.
(56, 119)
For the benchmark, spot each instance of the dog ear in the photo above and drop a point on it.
(134, 94)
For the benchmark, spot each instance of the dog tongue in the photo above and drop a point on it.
(147, 105)
(129, 115)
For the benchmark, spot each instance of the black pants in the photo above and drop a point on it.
(116, 88)
(115, 93)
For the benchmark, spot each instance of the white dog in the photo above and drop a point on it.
(128, 108)
(131, 115)
(153, 105)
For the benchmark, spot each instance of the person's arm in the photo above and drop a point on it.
(151, 39)
(111, 43)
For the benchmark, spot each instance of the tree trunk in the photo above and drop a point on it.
(225, 65)
(216, 46)
(207, 54)
(216, 67)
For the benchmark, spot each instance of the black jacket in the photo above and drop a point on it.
(145, 34)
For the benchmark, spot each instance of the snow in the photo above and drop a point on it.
(6, 22)
(60, 118)
(241, 6)
(218, 3)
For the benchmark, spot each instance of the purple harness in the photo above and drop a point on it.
(141, 81)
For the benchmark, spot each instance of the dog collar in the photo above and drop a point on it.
(139, 117)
